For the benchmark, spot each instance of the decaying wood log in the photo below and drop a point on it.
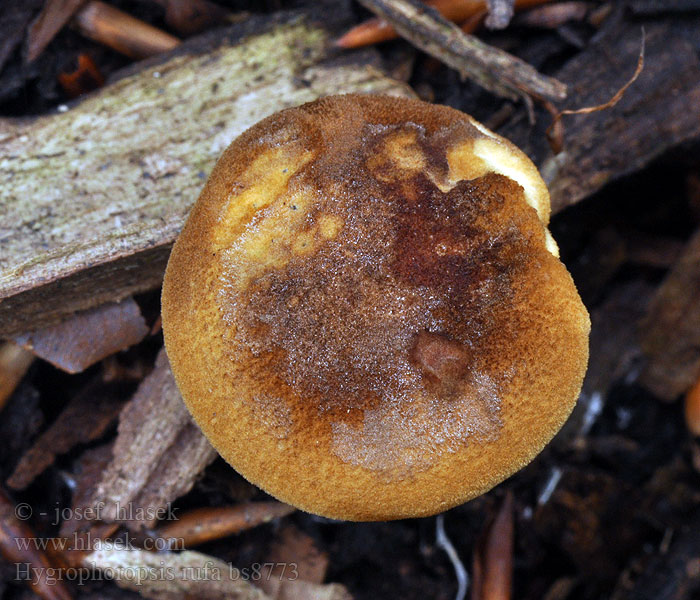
(93, 197)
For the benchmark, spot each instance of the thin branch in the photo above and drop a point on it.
(493, 69)
(555, 132)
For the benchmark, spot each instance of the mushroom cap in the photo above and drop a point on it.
(365, 312)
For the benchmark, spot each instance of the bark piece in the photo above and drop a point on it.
(298, 589)
(13, 23)
(158, 453)
(89, 336)
(660, 111)
(192, 16)
(86, 418)
(93, 197)
(295, 569)
(671, 337)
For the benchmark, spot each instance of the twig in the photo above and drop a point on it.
(188, 17)
(373, 31)
(444, 542)
(555, 132)
(493, 69)
(692, 409)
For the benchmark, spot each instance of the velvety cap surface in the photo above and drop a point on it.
(365, 312)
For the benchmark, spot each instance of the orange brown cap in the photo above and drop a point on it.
(365, 312)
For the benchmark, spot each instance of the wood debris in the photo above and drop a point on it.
(671, 338)
(294, 546)
(377, 30)
(493, 558)
(173, 576)
(493, 69)
(555, 132)
(158, 454)
(14, 364)
(54, 15)
(298, 589)
(94, 193)
(674, 575)
(86, 418)
(692, 409)
(87, 474)
(602, 147)
(14, 19)
(297, 569)
(88, 337)
(192, 16)
(555, 15)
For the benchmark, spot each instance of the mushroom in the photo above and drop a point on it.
(365, 312)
